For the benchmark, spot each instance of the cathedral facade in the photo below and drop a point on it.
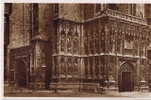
(78, 46)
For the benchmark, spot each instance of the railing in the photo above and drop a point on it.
(124, 16)
(119, 15)
(113, 13)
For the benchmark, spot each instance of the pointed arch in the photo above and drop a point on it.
(126, 77)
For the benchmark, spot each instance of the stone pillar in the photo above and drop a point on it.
(8, 63)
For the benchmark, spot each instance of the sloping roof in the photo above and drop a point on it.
(40, 37)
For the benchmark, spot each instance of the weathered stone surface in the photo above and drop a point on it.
(71, 12)
(89, 52)
(45, 19)
(20, 25)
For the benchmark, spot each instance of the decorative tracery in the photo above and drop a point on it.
(75, 41)
(99, 43)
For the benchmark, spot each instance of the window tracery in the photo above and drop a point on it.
(63, 39)
(86, 66)
(76, 42)
(69, 40)
(75, 66)
(70, 68)
(63, 69)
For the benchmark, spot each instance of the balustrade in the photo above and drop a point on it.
(124, 16)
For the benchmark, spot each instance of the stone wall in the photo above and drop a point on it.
(70, 11)
(20, 25)
(45, 19)
(148, 13)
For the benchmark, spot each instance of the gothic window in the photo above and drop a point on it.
(102, 42)
(102, 67)
(135, 46)
(90, 41)
(112, 40)
(128, 44)
(70, 69)
(75, 63)
(63, 38)
(97, 41)
(119, 41)
(93, 41)
(96, 66)
(86, 42)
(110, 68)
(69, 40)
(63, 69)
(112, 65)
(76, 42)
(91, 66)
(69, 44)
(76, 45)
(86, 66)
(142, 48)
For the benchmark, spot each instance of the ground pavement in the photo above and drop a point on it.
(11, 92)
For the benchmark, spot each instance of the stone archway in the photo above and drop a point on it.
(126, 77)
(21, 74)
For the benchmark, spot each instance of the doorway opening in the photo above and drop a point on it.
(126, 78)
(21, 74)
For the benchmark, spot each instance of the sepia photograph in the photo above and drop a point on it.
(77, 50)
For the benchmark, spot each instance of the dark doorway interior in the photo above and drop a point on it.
(21, 74)
(126, 78)
(126, 82)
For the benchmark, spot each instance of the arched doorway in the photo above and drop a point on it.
(126, 78)
(21, 74)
